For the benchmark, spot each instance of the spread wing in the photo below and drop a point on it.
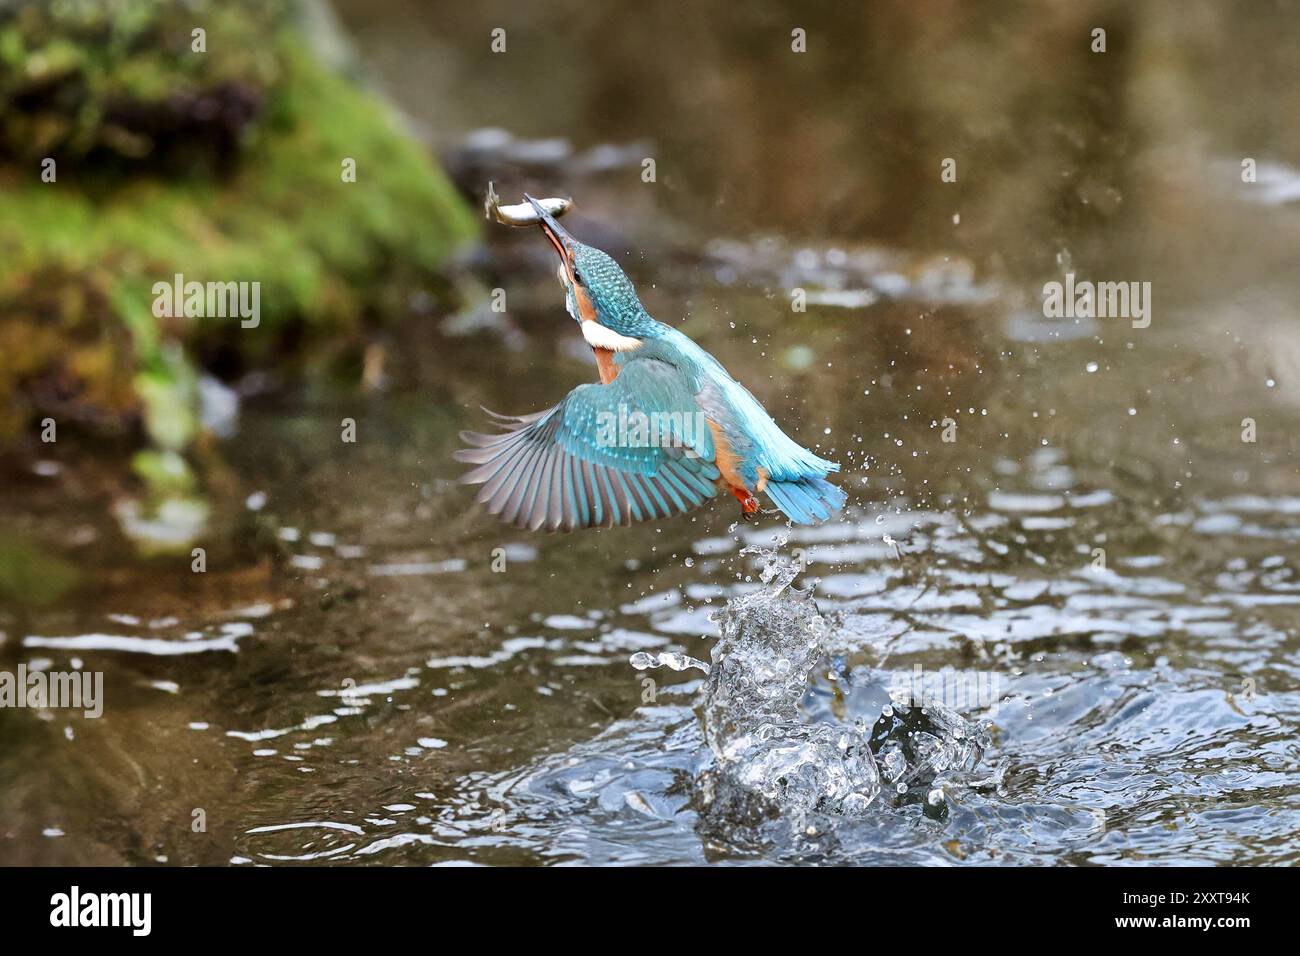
(635, 449)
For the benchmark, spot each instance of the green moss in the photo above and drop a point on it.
(120, 79)
(326, 252)
(147, 189)
(319, 246)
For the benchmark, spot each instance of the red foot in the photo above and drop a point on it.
(748, 503)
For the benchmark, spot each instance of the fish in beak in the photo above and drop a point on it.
(545, 213)
(522, 214)
(559, 236)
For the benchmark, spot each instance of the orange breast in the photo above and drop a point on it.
(605, 365)
(729, 463)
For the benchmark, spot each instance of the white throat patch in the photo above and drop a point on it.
(600, 337)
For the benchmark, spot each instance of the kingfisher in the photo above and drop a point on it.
(664, 431)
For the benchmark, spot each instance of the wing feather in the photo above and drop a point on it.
(558, 469)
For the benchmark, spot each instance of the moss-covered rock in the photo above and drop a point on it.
(134, 83)
(225, 165)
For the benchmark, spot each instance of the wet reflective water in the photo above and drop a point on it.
(386, 696)
(1062, 610)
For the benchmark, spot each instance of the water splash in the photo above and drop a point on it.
(794, 738)
(643, 661)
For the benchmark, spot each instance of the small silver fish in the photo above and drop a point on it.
(521, 214)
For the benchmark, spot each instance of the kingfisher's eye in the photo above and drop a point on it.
(577, 277)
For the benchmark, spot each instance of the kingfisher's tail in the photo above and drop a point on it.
(806, 500)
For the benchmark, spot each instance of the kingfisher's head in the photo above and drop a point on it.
(596, 290)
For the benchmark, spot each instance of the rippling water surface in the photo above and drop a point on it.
(389, 697)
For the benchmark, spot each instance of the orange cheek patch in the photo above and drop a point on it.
(586, 308)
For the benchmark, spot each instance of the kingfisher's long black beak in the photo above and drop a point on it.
(557, 234)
